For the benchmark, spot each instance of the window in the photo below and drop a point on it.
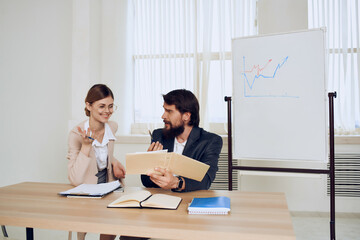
(186, 44)
(341, 18)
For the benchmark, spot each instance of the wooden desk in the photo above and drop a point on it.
(253, 215)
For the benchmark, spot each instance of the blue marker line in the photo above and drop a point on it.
(261, 75)
(264, 76)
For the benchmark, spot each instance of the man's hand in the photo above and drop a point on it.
(118, 169)
(166, 180)
(155, 146)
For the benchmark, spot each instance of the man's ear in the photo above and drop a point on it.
(186, 117)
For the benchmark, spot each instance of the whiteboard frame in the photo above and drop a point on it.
(325, 157)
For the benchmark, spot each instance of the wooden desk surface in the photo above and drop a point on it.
(253, 215)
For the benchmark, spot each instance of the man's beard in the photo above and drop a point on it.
(173, 131)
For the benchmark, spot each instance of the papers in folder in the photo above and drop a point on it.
(144, 163)
(92, 190)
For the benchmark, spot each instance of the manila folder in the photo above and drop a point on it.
(144, 163)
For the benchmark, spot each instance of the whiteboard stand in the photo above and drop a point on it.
(330, 171)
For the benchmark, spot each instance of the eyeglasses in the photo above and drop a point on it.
(102, 108)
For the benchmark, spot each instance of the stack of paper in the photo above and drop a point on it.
(92, 190)
(212, 205)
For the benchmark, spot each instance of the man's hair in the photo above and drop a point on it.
(184, 101)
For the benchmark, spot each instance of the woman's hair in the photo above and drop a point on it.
(184, 101)
(96, 93)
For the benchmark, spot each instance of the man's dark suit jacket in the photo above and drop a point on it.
(202, 146)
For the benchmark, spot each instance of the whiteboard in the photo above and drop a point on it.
(279, 97)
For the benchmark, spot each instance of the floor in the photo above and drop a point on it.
(307, 226)
(316, 226)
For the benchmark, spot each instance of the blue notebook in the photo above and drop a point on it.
(212, 205)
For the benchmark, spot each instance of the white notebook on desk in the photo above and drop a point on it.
(92, 190)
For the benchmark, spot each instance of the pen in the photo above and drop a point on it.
(150, 135)
(90, 138)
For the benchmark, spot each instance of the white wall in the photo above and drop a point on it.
(101, 53)
(276, 16)
(51, 52)
(116, 58)
(35, 72)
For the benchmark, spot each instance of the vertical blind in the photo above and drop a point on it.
(164, 53)
(187, 44)
(341, 19)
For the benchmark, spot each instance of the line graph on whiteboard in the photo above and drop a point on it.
(266, 80)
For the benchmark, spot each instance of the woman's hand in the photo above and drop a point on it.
(86, 134)
(118, 169)
(86, 141)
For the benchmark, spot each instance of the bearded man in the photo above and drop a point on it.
(181, 134)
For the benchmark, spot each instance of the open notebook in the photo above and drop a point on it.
(144, 199)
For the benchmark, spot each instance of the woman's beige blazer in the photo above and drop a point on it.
(81, 168)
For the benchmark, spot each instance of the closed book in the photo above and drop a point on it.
(144, 199)
(211, 205)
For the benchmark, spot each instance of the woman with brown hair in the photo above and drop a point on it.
(91, 144)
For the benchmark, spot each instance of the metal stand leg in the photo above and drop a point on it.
(4, 231)
(332, 165)
(29, 234)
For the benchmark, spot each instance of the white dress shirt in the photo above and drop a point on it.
(179, 147)
(101, 149)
